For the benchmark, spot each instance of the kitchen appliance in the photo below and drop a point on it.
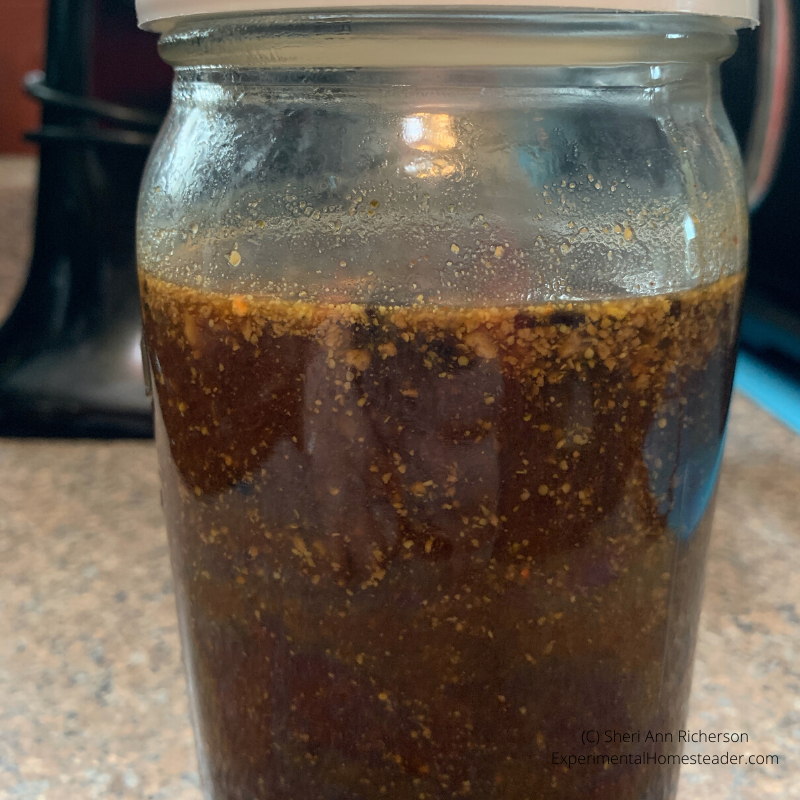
(70, 362)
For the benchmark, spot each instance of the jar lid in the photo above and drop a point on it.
(160, 15)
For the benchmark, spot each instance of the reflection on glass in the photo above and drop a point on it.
(430, 133)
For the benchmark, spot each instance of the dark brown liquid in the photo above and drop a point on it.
(420, 550)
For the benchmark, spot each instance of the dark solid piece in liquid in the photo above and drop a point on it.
(419, 550)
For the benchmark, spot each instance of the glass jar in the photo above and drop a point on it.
(441, 312)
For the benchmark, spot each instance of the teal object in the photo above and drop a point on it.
(769, 388)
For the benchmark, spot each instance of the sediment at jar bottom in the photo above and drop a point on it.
(420, 550)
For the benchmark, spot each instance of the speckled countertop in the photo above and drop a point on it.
(92, 695)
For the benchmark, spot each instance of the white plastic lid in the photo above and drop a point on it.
(158, 14)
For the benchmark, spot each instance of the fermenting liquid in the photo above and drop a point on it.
(420, 550)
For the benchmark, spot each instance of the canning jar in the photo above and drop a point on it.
(441, 308)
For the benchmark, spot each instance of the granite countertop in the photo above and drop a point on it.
(92, 694)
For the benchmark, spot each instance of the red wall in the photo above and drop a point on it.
(22, 40)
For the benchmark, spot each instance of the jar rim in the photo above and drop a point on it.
(449, 39)
(161, 15)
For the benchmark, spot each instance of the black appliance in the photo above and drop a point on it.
(771, 319)
(70, 363)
